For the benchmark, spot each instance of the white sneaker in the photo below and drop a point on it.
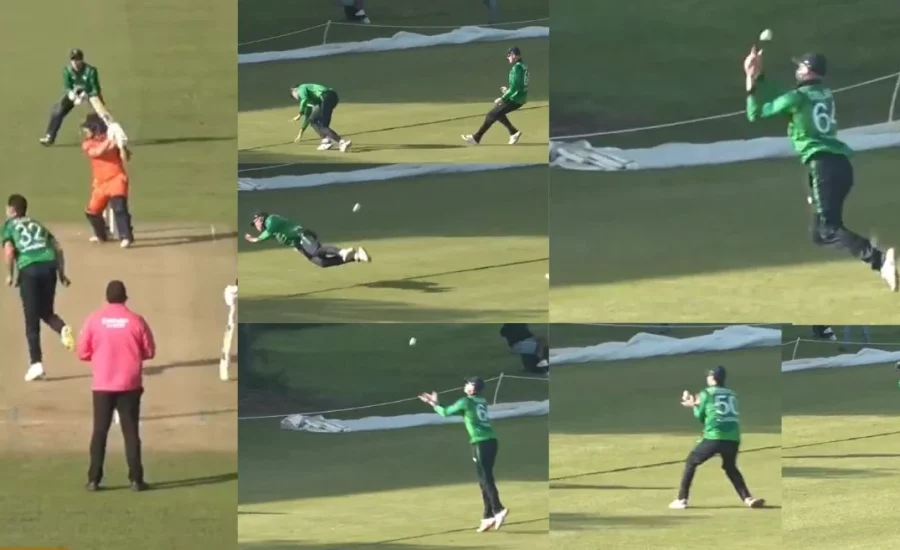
(470, 139)
(543, 363)
(362, 255)
(485, 525)
(678, 504)
(513, 139)
(94, 239)
(35, 371)
(326, 140)
(500, 518)
(344, 252)
(324, 146)
(755, 502)
(125, 243)
(344, 144)
(889, 269)
(67, 338)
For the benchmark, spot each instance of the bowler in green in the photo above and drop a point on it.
(810, 112)
(35, 264)
(716, 407)
(474, 410)
(515, 95)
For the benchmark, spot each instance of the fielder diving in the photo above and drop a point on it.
(304, 240)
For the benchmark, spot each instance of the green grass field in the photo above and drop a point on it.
(619, 439)
(841, 445)
(461, 248)
(415, 114)
(371, 489)
(729, 242)
(193, 508)
(182, 183)
(690, 67)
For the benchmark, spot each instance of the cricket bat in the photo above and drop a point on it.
(225, 358)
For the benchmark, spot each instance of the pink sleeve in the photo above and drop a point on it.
(85, 340)
(147, 340)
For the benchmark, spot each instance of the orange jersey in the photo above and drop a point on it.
(106, 160)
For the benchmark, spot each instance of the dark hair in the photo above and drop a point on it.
(95, 124)
(18, 203)
(115, 292)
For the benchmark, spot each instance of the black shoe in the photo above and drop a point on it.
(138, 486)
(92, 486)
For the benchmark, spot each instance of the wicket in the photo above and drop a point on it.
(225, 358)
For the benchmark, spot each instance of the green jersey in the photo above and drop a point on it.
(718, 410)
(32, 241)
(474, 411)
(810, 109)
(283, 230)
(517, 91)
(310, 95)
(86, 79)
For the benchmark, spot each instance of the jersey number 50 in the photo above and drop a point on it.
(726, 405)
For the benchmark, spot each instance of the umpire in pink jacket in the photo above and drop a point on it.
(116, 341)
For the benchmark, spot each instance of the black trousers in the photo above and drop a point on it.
(320, 118)
(704, 451)
(57, 115)
(37, 288)
(128, 404)
(323, 255)
(498, 114)
(830, 181)
(484, 453)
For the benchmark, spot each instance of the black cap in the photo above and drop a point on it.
(115, 292)
(477, 382)
(514, 51)
(718, 375)
(94, 123)
(815, 61)
(257, 215)
(76, 55)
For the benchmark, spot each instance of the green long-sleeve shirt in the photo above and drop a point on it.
(517, 90)
(810, 108)
(309, 95)
(474, 411)
(283, 230)
(87, 79)
(718, 411)
(33, 243)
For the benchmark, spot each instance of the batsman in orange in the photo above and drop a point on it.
(110, 181)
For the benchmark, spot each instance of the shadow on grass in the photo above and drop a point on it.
(400, 127)
(652, 465)
(197, 414)
(414, 283)
(181, 483)
(835, 473)
(165, 241)
(161, 141)
(855, 455)
(151, 370)
(570, 486)
(707, 204)
(304, 309)
(587, 522)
